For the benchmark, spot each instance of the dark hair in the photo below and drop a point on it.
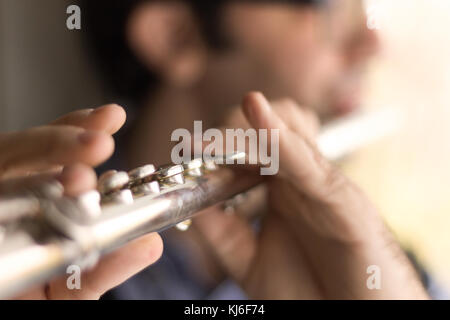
(104, 23)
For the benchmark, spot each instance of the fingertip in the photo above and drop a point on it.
(143, 251)
(249, 104)
(111, 117)
(257, 109)
(77, 178)
(108, 118)
(253, 98)
(253, 95)
(112, 108)
(116, 267)
(155, 247)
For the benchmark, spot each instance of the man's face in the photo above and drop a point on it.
(315, 55)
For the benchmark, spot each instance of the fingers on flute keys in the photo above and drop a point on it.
(122, 188)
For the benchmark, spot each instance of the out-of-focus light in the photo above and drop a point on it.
(374, 11)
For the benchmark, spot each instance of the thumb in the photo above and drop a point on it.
(114, 269)
(300, 161)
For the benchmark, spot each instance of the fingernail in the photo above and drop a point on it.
(87, 137)
(260, 110)
(249, 102)
(99, 109)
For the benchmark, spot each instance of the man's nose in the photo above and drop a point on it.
(372, 41)
(366, 44)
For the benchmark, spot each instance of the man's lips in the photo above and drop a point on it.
(347, 98)
(346, 104)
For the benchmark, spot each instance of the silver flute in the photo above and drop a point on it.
(42, 232)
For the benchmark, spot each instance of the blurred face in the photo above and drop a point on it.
(315, 56)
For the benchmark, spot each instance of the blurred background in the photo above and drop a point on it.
(408, 176)
(44, 73)
(43, 67)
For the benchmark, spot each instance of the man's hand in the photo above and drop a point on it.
(67, 149)
(80, 137)
(321, 233)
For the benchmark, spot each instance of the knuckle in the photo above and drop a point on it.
(337, 187)
(49, 139)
